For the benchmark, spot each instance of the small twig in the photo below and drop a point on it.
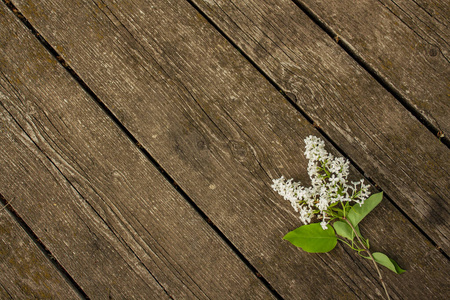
(370, 254)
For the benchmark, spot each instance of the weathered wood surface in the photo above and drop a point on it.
(406, 42)
(223, 132)
(25, 271)
(390, 146)
(63, 221)
(101, 208)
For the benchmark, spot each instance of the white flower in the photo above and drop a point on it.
(335, 179)
(328, 184)
(305, 214)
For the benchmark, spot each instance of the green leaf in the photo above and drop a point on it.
(383, 260)
(357, 213)
(344, 230)
(312, 238)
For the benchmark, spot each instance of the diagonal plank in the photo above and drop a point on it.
(25, 271)
(222, 132)
(84, 243)
(97, 203)
(405, 42)
(391, 147)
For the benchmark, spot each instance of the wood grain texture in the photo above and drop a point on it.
(406, 42)
(369, 125)
(97, 203)
(223, 132)
(25, 272)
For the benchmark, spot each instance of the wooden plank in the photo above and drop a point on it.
(223, 132)
(406, 42)
(97, 203)
(96, 260)
(25, 271)
(391, 147)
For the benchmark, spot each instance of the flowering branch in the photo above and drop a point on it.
(328, 199)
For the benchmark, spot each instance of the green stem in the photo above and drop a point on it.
(371, 257)
(353, 248)
(343, 208)
(366, 257)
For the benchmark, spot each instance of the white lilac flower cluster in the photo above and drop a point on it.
(328, 184)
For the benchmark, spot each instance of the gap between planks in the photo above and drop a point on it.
(72, 283)
(330, 33)
(378, 78)
(129, 135)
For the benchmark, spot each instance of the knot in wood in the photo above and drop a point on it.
(239, 149)
(291, 97)
(434, 51)
(201, 145)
